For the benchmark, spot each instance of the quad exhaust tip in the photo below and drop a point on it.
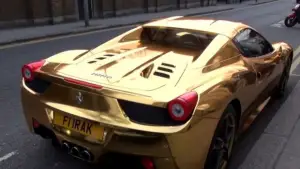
(66, 146)
(77, 151)
(86, 155)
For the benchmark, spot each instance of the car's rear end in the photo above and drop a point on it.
(88, 119)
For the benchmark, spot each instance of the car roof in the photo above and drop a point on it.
(209, 25)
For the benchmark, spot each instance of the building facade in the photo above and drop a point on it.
(14, 13)
(35, 12)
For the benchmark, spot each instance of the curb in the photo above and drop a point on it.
(210, 12)
(74, 32)
(259, 3)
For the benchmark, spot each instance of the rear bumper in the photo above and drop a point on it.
(157, 148)
(171, 151)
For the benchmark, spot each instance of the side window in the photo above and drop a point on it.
(226, 55)
(252, 44)
(229, 51)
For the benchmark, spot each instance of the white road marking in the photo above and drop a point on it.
(296, 52)
(296, 61)
(279, 24)
(7, 156)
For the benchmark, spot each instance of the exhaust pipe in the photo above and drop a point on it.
(65, 146)
(75, 151)
(86, 155)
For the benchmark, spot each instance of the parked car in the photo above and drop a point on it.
(176, 92)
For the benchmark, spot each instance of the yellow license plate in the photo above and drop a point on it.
(80, 125)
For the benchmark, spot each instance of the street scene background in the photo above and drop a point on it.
(271, 142)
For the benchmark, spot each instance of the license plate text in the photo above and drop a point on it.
(78, 125)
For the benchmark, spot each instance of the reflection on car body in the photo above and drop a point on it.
(176, 92)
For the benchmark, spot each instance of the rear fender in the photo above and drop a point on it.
(213, 102)
(211, 106)
(66, 56)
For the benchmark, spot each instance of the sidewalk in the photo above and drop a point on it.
(278, 145)
(33, 33)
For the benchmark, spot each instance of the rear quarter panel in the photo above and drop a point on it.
(226, 84)
(236, 81)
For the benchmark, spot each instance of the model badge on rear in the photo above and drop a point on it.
(101, 75)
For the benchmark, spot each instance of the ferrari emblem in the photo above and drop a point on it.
(79, 98)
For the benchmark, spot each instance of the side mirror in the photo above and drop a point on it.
(276, 45)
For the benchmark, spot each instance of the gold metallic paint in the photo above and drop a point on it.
(220, 75)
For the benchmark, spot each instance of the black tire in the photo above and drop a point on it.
(281, 87)
(290, 22)
(215, 152)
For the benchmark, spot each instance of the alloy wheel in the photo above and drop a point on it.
(285, 76)
(224, 141)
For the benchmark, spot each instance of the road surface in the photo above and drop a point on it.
(20, 149)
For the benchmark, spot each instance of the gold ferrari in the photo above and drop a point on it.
(175, 92)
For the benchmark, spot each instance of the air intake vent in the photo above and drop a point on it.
(162, 74)
(90, 62)
(109, 55)
(168, 65)
(100, 58)
(164, 70)
(106, 55)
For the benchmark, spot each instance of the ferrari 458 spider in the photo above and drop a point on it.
(175, 92)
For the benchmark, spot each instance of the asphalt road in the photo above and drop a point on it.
(20, 149)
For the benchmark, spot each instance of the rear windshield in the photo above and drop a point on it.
(171, 37)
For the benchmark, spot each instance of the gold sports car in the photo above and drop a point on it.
(174, 92)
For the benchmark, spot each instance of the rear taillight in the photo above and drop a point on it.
(181, 108)
(28, 70)
(35, 124)
(147, 163)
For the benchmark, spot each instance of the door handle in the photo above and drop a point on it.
(259, 76)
